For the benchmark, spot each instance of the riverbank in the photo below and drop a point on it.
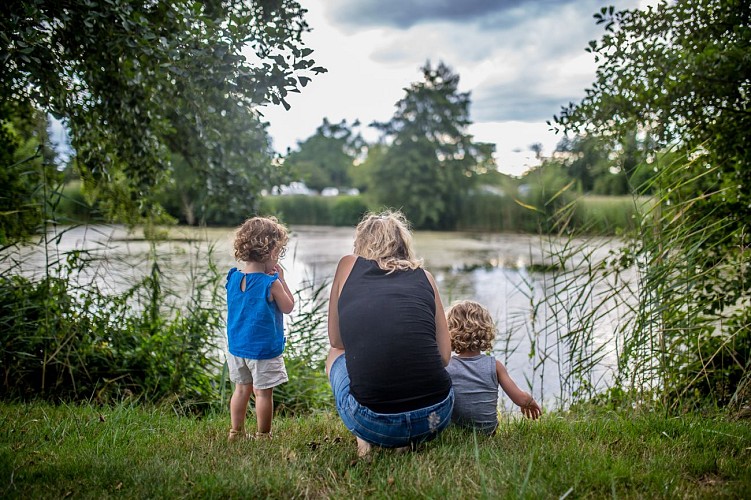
(137, 452)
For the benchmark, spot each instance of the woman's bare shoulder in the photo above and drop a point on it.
(345, 265)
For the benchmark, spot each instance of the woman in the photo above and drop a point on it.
(389, 340)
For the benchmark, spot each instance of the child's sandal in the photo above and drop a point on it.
(263, 436)
(236, 435)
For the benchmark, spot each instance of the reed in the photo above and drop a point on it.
(673, 295)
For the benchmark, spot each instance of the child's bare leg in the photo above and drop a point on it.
(238, 405)
(264, 408)
(334, 353)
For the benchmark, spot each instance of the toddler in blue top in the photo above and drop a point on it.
(257, 296)
(476, 376)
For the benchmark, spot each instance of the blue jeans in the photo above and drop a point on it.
(389, 430)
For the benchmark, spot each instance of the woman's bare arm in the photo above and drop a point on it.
(441, 326)
(340, 277)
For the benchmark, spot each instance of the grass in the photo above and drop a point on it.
(137, 452)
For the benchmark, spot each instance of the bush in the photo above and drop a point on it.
(64, 341)
(305, 355)
(714, 368)
(347, 210)
(299, 209)
(344, 210)
(495, 213)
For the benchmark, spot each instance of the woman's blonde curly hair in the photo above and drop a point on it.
(259, 239)
(471, 327)
(386, 238)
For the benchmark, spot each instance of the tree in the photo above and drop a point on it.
(431, 158)
(226, 191)
(136, 81)
(681, 72)
(585, 159)
(607, 166)
(325, 158)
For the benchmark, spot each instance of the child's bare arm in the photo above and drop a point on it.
(284, 299)
(523, 399)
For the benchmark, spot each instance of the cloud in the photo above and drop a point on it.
(403, 14)
(522, 60)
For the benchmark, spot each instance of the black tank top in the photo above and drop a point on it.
(387, 324)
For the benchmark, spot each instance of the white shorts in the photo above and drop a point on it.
(262, 373)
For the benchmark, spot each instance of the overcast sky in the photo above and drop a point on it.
(520, 59)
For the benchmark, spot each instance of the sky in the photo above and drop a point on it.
(521, 61)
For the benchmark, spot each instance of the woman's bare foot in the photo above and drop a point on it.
(363, 448)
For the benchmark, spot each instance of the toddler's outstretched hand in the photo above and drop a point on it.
(531, 409)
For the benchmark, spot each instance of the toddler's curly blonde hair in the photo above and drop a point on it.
(471, 327)
(259, 238)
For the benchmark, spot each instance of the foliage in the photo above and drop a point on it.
(348, 210)
(430, 159)
(324, 159)
(133, 82)
(689, 335)
(26, 158)
(146, 452)
(66, 339)
(305, 354)
(201, 192)
(299, 209)
(73, 207)
(316, 210)
(494, 213)
(362, 174)
(606, 167)
(547, 193)
(478, 211)
(681, 72)
(609, 215)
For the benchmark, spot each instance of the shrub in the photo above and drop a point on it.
(347, 210)
(299, 209)
(305, 354)
(62, 338)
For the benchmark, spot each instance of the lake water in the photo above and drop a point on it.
(548, 321)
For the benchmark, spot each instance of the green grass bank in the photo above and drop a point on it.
(134, 451)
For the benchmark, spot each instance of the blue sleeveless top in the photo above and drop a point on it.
(255, 325)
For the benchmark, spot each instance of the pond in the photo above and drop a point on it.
(558, 317)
